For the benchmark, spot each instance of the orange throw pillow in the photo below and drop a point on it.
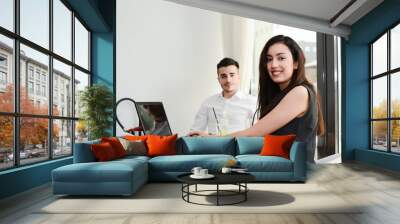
(277, 145)
(161, 145)
(103, 151)
(136, 138)
(116, 145)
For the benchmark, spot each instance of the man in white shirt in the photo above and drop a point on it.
(230, 110)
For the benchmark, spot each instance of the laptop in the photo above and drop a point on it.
(153, 118)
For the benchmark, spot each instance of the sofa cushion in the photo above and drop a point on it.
(206, 145)
(103, 151)
(249, 145)
(185, 163)
(142, 138)
(277, 145)
(161, 145)
(135, 147)
(257, 163)
(116, 145)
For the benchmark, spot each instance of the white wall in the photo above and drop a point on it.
(166, 52)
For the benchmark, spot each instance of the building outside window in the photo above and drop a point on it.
(385, 94)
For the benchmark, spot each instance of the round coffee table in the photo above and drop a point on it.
(238, 179)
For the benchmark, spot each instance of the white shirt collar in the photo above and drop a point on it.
(238, 95)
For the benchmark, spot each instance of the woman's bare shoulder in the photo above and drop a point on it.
(298, 92)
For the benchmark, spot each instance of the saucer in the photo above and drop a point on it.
(208, 176)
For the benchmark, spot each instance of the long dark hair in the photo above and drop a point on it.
(270, 94)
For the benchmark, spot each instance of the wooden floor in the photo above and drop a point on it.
(377, 188)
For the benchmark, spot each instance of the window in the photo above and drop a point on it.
(30, 72)
(35, 22)
(3, 72)
(62, 75)
(30, 87)
(38, 89)
(7, 14)
(3, 61)
(43, 90)
(385, 95)
(3, 78)
(55, 128)
(81, 45)
(37, 75)
(62, 29)
(6, 73)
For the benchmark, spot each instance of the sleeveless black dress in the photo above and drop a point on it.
(304, 127)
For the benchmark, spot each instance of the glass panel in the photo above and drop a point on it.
(395, 95)
(7, 14)
(6, 142)
(395, 47)
(81, 81)
(379, 55)
(6, 74)
(379, 98)
(81, 45)
(379, 135)
(62, 138)
(62, 29)
(34, 81)
(62, 89)
(33, 139)
(81, 131)
(35, 21)
(395, 136)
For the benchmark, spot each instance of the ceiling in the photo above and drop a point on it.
(327, 16)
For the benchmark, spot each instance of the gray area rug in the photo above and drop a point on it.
(166, 198)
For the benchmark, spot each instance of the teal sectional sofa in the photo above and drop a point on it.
(125, 176)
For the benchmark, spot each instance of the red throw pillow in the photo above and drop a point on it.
(103, 151)
(277, 145)
(161, 145)
(116, 145)
(136, 138)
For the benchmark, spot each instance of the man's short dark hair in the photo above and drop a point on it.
(226, 62)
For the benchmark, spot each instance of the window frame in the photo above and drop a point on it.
(15, 72)
(388, 74)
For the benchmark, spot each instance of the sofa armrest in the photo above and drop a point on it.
(83, 152)
(298, 157)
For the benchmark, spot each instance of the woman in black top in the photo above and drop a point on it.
(287, 101)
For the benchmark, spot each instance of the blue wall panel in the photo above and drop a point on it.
(356, 84)
(24, 178)
(102, 59)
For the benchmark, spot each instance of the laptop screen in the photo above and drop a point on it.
(153, 118)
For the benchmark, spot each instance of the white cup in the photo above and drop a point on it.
(203, 172)
(226, 170)
(196, 170)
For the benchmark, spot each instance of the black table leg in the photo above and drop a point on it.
(245, 193)
(217, 194)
